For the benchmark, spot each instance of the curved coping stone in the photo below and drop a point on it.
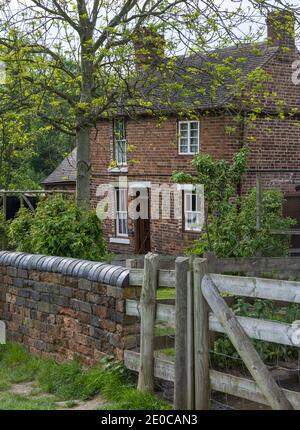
(53, 262)
(5, 259)
(3, 254)
(109, 274)
(115, 275)
(123, 279)
(82, 268)
(77, 268)
(18, 260)
(57, 263)
(102, 273)
(11, 261)
(68, 269)
(91, 270)
(22, 262)
(87, 269)
(33, 262)
(40, 264)
(93, 273)
(65, 262)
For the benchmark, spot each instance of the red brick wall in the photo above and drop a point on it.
(63, 317)
(154, 159)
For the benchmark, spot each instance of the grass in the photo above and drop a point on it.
(163, 329)
(67, 382)
(169, 352)
(9, 401)
(166, 293)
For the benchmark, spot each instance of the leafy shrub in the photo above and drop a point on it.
(224, 355)
(234, 234)
(230, 221)
(19, 230)
(3, 232)
(59, 228)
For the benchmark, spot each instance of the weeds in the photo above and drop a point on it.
(68, 382)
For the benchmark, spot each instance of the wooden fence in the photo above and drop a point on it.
(199, 309)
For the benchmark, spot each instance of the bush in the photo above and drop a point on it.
(59, 228)
(234, 233)
(224, 354)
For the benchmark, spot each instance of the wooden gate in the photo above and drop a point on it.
(200, 308)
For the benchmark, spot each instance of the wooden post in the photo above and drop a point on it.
(201, 339)
(148, 300)
(180, 383)
(131, 263)
(245, 348)
(190, 338)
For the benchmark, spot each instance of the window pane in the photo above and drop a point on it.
(188, 202)
(194, 126)
(194, 133)
(121, 215)
(183, 145)
(119, 127)
(183, 126)
(193, 198)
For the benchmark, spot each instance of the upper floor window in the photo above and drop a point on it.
(120, 141)
(188, 137)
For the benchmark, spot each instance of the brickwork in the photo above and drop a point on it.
(65, 317)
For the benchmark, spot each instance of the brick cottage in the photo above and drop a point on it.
(161, 148)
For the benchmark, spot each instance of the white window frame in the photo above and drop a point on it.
(189, 152)
(120, 213)
(197, 212)
(120, 156)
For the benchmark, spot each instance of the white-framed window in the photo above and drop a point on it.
(192, 211)
(189, 137)
(120, 141)
(121, 212)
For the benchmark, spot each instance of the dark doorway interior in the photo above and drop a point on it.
(292, 209)
(142, 226)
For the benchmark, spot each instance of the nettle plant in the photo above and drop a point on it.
(230, 220)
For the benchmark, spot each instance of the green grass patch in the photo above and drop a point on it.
(169, 352)
(9, 401)
(68, 382)
(163, 329)
(166, 293)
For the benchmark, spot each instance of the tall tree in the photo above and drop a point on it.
(87, 46)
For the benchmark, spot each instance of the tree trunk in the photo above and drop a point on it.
(83, 193)
(84, 126)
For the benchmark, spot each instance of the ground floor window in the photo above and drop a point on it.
(192, 213)
(121, 212)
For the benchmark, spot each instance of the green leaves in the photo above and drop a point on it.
(59, 228)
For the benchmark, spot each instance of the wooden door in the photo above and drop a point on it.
(142, 229)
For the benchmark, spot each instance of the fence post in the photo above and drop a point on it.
(190, 338)
(148, 309)
(201, 339)
(180, 383)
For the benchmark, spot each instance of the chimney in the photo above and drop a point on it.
(281, 32)
(149, 47)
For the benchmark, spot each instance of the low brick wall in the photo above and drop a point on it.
(65, 308)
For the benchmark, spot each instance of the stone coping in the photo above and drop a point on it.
(93, 271)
